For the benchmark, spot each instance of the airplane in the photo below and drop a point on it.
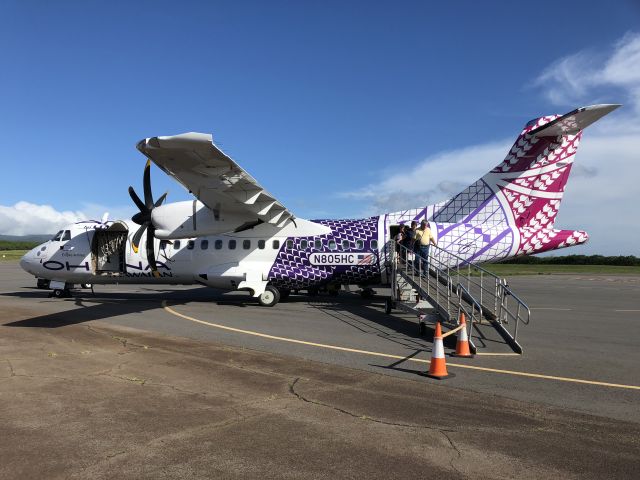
(235, 235)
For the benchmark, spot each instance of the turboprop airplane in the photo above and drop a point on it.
(235, 235)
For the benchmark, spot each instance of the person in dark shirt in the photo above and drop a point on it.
(409, 238)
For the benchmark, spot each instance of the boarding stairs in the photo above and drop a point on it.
(449, 285)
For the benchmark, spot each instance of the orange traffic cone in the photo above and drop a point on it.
(462, 345)
(438, 366)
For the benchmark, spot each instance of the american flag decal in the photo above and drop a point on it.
(366, 259)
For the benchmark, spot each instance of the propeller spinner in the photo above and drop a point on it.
(143, 218)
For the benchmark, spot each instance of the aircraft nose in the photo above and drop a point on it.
(24, 262)
(27, 262)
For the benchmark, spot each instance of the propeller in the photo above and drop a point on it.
(143, 218)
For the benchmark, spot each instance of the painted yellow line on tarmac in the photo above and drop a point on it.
(626, 310)
(396, 357)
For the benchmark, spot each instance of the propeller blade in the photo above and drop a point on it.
(146, 185)
(151, 254)
(136, 199)
(135, 241)
(160, 200)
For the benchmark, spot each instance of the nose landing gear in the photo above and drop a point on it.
(61, 293)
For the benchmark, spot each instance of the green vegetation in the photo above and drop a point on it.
(6, 255)
(17, 245)
(619, 260)
(509, 269)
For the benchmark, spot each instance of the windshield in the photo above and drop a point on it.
(58, 236)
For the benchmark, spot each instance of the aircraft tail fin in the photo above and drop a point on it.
(526, 189)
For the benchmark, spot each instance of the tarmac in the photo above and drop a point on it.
(146, 382)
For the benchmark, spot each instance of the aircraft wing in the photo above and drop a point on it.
(214, 178)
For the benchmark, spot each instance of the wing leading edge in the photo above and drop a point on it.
(213, 177)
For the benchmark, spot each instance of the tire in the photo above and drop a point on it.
(269, 297)
(43, 284)
(388, 306)
(284, 294)
(85, 285)
(59, 293)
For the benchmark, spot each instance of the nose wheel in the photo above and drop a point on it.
(61, 293)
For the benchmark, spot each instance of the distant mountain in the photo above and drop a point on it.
(27, 238)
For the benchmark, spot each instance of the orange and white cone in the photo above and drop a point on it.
(462, 345)
(438, 366)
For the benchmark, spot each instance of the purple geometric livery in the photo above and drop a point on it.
(292, 268)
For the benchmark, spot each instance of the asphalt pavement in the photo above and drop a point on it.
(186, 381)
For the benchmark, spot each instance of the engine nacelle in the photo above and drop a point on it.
(193, 219)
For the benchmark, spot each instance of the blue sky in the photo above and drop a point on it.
(320, 101)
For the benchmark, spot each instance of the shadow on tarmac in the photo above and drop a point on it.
(366, 316)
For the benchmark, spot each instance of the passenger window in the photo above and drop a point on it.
(332, 244)
(218, 244)
(374, 244)
(58, 236)
(303, 244)
(176, 245)
(232, 244)
(246, 244)
(359, 244)
(276, 244)
(345, 244)
(163, 244)
(261, 244)
(190, 244)
(318, 244)
(204, 244)
(66, 236)
(289, 244)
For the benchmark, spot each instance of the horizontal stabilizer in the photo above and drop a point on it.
(573, 122)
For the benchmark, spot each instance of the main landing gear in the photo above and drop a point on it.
(269, 297)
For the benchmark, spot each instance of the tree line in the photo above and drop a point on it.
(618, 260)
(17, 245)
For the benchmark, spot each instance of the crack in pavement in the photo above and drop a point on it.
(126, 343)
(443, 431)
(362, 417)
(12, 372)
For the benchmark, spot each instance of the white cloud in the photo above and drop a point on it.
(26, 218)
(436, 178)
(595, 75)
(603, 193)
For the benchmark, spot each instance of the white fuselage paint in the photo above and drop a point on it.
(72, 261)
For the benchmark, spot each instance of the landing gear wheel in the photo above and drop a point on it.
(269, 297)
(388, 306)
(85, 285)
(61, 293)
(43, 284)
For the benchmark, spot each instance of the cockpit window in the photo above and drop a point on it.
(58, 236)
(66, 236)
